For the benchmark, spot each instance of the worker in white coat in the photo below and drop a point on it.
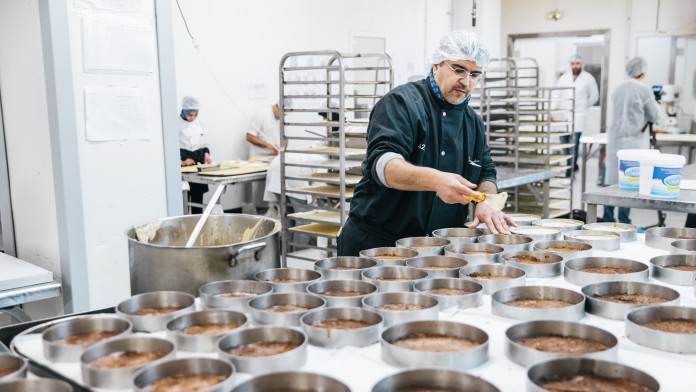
(634, 106)
(586, 95)
(263, 134)
(193, 148)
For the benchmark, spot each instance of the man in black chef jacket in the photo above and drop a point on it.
(426, 155)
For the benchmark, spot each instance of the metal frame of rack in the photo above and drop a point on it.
(523, 131)
(344, 86)
(506, 72)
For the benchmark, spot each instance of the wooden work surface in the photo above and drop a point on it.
(232, 168)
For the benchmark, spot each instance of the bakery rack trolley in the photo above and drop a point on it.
(344, 87)
(524, 126)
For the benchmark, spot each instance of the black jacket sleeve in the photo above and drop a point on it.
(488, 172)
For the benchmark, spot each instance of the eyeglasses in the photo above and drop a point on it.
(463, 73)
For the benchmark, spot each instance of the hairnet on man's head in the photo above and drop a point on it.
(636, 66)
(575, 57)
(190, 103)
(460, 45)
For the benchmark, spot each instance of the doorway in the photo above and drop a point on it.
(7, 239)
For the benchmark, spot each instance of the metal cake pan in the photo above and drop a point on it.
(331, 291)
(377, 255)
(438, 379)
(57, 351)
(261, 315)
(567, 249)
(509, 242)
(393, 278)
(661, 268)
(575, 311)
(438, 266)
(186, 367)
(475, 253)
(337, 337)
(574, 274)
(425, 246)
(476, 273)
(626, 232)
(202, 343)
(36, 385)
(544, 265)
(527, 356)
(663, 237)
(406, 357)
(293, 359)
(600, 240)
(232, 294)
(680, 343)
(563, 225)
(472, 299)
(537, 233)
(618, 310)
(683, 247)
(16, 365)
(430, 307)
(523, 219)
(459, 235)
(292, 381)
(157, 299)
(288, 280)
(343, 267)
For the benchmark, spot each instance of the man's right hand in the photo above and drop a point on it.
(453, 188)
(274, 149)
(188, 162)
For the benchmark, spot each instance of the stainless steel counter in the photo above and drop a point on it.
(613, 196)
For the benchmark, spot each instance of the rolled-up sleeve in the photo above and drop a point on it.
(390, 135)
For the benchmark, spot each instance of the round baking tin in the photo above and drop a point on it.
(186, 366)
(659, 269)
(330, 268)
(460, 250)
(425, 246)
(18, 365)
(582, 249)
(683, 247)
(680, 343)
(292, 381)
(412, 275)
(617, 311)
(572, 272)
(481, 226)
(509, 242)
(431, 309)
(373, 253)
(459, 235)
(337, 338)
(260, 314)
(62, 352)
(663, 237)
(574, 312)
(334, 301)
(121, 378)
(289, 360)
(156, 299)
(463, 301)
(404, 357)
(211, 294)
(552, 265)
(490, 286)
(304, 276)
(600, 240)
(567, 368)
(563, 225)
(433, 379)
(438, 266)
(36, 385)
(523, 219)
(202, 343)
(537, 233)
(626, 232)
(526, 356)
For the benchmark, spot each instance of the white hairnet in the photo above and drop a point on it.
(460, 45)
(190, 103)
(575, 57)
(636, 66)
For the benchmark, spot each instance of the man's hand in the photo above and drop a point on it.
(188, 162)
(497, 222)
(273, 148)
(206, 158)
(453, 188)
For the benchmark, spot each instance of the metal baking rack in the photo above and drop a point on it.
(342, 88)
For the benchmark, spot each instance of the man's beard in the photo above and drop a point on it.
(576, 71)
(459, 100)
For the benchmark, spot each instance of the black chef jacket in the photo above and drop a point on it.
(426, 131)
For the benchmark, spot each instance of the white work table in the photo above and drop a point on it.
(22, 282)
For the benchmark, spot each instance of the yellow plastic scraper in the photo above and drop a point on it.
(494, 200)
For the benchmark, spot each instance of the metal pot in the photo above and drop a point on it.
(164, 263)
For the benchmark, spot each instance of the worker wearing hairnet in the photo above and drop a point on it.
(634, 106)
(193, 147)
(426, 155)
(586, 95)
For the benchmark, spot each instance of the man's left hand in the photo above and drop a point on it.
(497, 222)
(207, 159)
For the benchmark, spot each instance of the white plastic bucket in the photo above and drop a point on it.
(660, 175)
(629, 167)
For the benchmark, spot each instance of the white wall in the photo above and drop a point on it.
(244, 41)
(488, 14)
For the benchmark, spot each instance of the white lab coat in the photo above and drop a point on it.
(272, 191)
(191, 135)
(586, 95)
(265, 126)
(633, 106)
